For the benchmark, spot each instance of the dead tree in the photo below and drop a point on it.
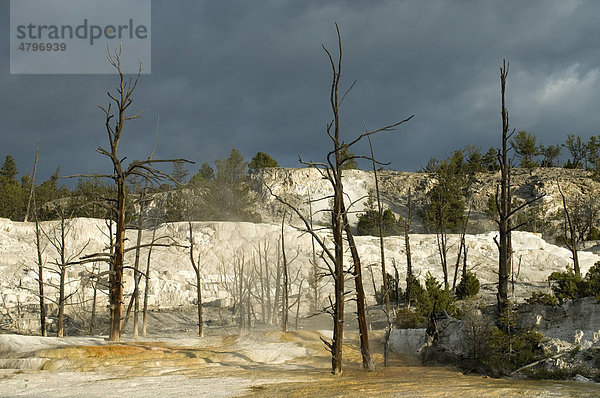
(332, 172)
(298, 304)
(461, 249)
(287, 282)
(277, 295)
(441, 235)
(386, 293)
(236, 285)
(32, 188)
(115, 122)
(363, 330)
(263, 274)
(504, 202)
(147, 287)
(134, 302)
(315, 272)
(63, 260)
(98, 284)
(504, 205)
(409, 271)
(569, 232)
(137, 275)
(40, 273)
(196, 266)
(286, 294)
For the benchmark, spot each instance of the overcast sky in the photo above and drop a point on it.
(252, 75)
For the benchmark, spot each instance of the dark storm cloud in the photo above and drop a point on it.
(252, 75)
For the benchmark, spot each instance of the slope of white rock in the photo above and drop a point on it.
(223, 245)
(295, 184)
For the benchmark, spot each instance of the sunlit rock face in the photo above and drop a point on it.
(226, 248)
(296, 185)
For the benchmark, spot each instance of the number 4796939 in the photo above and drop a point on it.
(43, 47)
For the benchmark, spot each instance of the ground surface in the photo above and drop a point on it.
(262, 364)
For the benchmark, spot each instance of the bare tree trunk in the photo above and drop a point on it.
(136, 266)
(298, 304)
(267, 283)
(147, 288)
(460, 248)
(61, 305)
(269, 303)
(32, 189)
(363, 330)
(275, 311)
(94, 300)
(199, 304)
(504, 207)
(386, 294)
(286, 296)
(396, 283)
(241, 292)
(63, 270)
(116, 275)
(442, 243)
(40, 264)
(248, 303)
(409, 272)
(332, 171)
(313, 282)
(196, 266)
(261, 290)
(338, 204)
(570, 233)
(464, 270)
(134, 301)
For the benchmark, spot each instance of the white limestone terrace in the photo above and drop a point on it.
(295, 184)
(221, 244)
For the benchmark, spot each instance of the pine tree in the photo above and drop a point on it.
(179, 173)
(261, 161)
(445, 208)
(526, 149)
(8, 171)
(368, 222)
(203, 176)
(349, 162)
(12, 204)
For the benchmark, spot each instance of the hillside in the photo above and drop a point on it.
(296, 184)
(228, 250)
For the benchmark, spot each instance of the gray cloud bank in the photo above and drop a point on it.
(253, 75)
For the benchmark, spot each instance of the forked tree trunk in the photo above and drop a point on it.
(363, 330)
